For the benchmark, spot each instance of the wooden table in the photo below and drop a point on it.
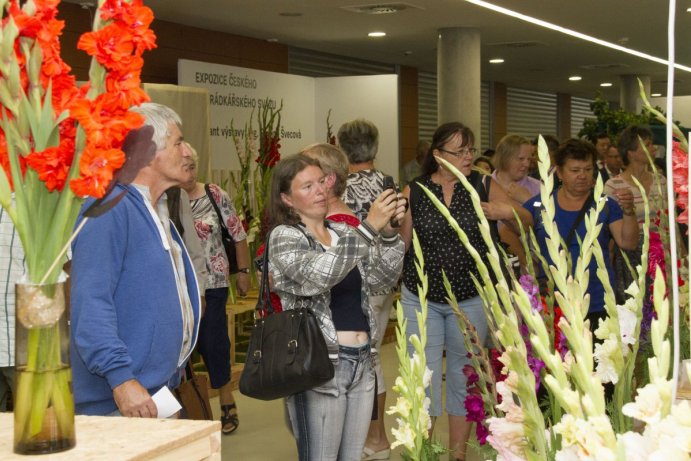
(110, 438)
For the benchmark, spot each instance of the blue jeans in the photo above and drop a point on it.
(381, 309)
(331, 427)
(443, 332)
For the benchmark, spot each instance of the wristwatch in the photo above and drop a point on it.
(244, 270)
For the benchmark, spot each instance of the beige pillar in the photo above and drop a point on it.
(630, 92)
(458, 78)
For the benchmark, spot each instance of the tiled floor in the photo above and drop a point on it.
(263, 434)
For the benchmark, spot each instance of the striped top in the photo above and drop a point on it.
(656, 201)
(11, 270)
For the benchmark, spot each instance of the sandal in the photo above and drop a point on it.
(229, 419)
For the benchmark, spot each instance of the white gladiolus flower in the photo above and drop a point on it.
(568, 430)
(633, 289)
(403, 435)
(636, 446)
(425, 424)
(682, 413)
(604, 356)
(427, 378)
(508, 438)
(647, 407)
(402, 407)
(585, 439)
(627, 325)
(603, 330)
(507, 404)
(512, 381)
(674, 431)
(567, 362)
(567, 454)
(400, 386)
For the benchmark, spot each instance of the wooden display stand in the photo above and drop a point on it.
(111, 437)
(242, 306)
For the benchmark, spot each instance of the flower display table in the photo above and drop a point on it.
(106, 438)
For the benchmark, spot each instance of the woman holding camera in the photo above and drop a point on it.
(331, 267)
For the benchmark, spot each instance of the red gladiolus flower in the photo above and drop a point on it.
(104, 122)
(269, 153)
(125, 89)
(53, 164)
(97, 168)
(108, 45)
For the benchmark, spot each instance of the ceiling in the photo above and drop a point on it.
(535, 58)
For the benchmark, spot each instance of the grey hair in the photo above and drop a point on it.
(359, 139)
(194, 156)
(159, 117)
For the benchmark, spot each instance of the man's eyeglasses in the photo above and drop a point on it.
(463, 151)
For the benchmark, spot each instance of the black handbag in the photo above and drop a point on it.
(228, 242)
(287, 352)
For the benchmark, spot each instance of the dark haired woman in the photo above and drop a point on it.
(443, 251)
(575, 165)
(332, 266)
(632, 146)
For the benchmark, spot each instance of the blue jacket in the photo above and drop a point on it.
(126, 316)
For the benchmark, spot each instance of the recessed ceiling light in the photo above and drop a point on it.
(605, 84)
(656, 95)
(496, 61)
(376, 34)
(575, 78)
(688, 10)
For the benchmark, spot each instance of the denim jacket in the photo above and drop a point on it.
(304, 273)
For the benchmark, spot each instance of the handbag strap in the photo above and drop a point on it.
(264, 296)
(579, 219)
(224, 229)
(264, 303)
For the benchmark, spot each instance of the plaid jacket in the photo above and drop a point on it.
(303, 272)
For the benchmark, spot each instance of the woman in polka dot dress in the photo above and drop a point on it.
(443, 251)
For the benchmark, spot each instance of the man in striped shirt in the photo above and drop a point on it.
(11, 269)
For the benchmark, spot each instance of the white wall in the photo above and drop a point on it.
(373, 97)
(681, 111)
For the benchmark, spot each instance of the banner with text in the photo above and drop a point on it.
(236, 94)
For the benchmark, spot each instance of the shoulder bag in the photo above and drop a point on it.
(228, 242)
(287, 353)
(193, 394)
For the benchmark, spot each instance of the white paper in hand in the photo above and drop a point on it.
(166, 403)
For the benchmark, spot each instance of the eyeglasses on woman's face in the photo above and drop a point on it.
(461, 152)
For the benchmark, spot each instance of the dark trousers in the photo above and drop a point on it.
(214, 344)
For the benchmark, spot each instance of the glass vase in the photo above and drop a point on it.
(43, 404)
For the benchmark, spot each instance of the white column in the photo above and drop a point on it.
(458, 78)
